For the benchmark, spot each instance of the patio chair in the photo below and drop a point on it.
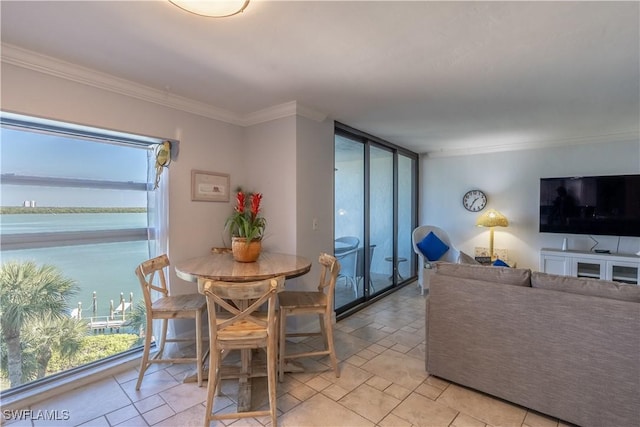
(345, 243)
(360, 267)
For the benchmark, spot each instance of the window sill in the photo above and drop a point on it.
(29, 394)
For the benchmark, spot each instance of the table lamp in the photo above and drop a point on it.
(492, 218)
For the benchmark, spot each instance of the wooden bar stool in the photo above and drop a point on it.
(190, 306)
(318, 302)
(236, 324)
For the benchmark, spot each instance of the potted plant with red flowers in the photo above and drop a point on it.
(246, 227)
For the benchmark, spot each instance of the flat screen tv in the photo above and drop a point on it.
(599, 205)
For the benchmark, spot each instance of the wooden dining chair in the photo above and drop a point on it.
(190, 306)
(320, 302)
(236, 324)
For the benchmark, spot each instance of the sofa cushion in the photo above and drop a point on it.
(586, 286)
(432, 247)
(505, 275)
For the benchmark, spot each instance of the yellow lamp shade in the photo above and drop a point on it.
(492, 218)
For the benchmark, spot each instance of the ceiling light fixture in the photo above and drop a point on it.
(212, 8)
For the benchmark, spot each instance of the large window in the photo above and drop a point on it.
(375, 200)
(77, 217)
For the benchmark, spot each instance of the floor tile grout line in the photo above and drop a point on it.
(132, 403)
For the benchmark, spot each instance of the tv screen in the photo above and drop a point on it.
(600, 205)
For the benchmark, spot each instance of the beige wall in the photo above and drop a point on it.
(314, 177)
(270, 163)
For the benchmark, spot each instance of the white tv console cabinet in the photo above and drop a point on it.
(623, 268)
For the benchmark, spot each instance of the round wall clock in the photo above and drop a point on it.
(474, 200)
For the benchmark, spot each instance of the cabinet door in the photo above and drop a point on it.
(624, 272)
(585, 267)
(555, 265)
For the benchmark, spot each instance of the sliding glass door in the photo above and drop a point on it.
(375, 213)
(349, 217)
(407, 214)
(381, 214)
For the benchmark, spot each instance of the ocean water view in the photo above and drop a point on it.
(76, 198)
(105, 268)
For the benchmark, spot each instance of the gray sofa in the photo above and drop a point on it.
(563, 346)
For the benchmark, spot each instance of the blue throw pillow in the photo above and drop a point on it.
(500, 263)
(432, 247)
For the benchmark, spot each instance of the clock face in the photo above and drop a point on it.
(474, 200)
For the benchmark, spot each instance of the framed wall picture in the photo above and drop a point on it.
(209, 186)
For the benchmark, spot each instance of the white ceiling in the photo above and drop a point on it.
(438, 77)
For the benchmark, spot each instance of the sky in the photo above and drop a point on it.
(44, 155)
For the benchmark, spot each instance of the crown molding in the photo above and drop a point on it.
(535, 145)
(24, 58)
(311, 113)
(55, 67)
(287, 109)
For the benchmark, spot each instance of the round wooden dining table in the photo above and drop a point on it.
(220, 265)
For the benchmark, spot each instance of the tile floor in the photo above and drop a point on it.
(383, 383)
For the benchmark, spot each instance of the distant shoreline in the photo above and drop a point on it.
(61, 210)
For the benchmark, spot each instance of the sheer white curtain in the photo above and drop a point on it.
(158, 221)
(157, 207)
